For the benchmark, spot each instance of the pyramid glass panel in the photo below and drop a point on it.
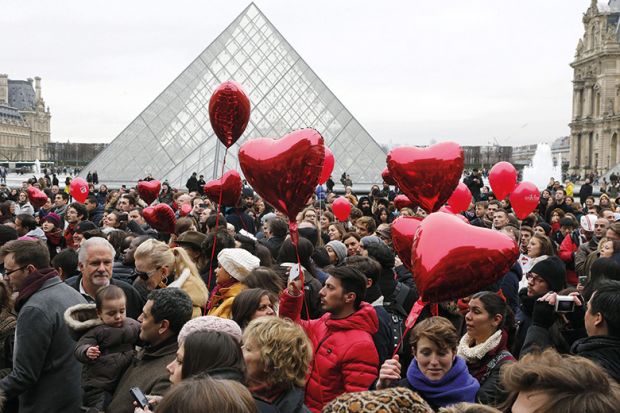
(172, 137)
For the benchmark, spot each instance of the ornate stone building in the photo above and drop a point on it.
(24, 120)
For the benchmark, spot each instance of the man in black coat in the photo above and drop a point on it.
(602, 325)
(95, 261)
(474, 183)
(192, 183)
(585, 191)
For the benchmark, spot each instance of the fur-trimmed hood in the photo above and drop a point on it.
(80, 318)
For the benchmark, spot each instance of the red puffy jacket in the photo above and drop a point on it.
(568, 247)
(345, 357)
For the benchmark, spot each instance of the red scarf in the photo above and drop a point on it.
(268, 392)
(214, 300)
(32, 284)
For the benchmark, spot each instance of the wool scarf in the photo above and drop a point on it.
(215, 298)
(33, 283)
(476, 353)
(455, 387)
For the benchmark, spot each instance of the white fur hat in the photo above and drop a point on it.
(237, 262)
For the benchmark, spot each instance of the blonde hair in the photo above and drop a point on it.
(285, 350)
(159, 254)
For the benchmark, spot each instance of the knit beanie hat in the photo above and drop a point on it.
(546, 227)
(210, 323)
(370, 239)
(553, 271)
(339, 248)
(237, 262)
(54, 218)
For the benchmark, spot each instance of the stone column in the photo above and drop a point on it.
(573, 153)
(577, 92)
(588, 101)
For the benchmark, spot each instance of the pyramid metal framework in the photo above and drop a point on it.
(173, 137)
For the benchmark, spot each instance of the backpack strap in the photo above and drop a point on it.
(499, 357)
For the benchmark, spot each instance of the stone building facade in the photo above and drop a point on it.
(24, 120)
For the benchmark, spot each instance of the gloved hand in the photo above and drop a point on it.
(543, 314)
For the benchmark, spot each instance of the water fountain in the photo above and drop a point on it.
(37, 167)
(542, 169)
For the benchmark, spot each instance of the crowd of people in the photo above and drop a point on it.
(99, 312)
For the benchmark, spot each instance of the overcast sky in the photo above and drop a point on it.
(409, 71)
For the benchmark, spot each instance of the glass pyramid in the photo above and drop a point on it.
(172, 137)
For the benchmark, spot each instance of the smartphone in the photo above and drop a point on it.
(139, 397)
(583, 279)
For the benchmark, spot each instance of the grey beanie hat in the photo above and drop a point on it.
(339, 248)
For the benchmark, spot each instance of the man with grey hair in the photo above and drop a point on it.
(95, 262)
(45, 374)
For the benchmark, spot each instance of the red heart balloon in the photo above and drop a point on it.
(79, 189)
(149, 190)
(341, 207)
(460, 199)
(229, 185)
(453, 260)
(328, 166)
(403, 232)
(428, 176)
(160, 217)
(387, 178)
(446, 209)
(229, 112)
(524, 199)
(401, 201)
(503, 179)
(284, 172)
(36, 197)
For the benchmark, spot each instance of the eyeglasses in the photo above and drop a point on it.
(145, 275)
(7, 273)
(534, 278)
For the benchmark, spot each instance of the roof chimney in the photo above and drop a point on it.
(4, 89)
(37, 88)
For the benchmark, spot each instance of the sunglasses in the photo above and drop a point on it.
(144, 275)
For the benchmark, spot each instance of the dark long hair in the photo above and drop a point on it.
(602, 269)
(495, 304)
(246, 303)
(209, 350)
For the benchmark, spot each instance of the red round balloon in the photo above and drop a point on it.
(524, 199)
(401, 201)
(387, 178)
(160, 217)
(503, 179)
(284, 172)
(428, 176)
(341, 207)
(403, 231)
(328, 166)
(149, 190)
(453, 260)
(460, 199)
(79, 189)
(229, 185)
(229, 112)
(36, 197)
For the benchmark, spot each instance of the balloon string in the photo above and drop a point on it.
(217, 225)
(410, 322)
(295, 239)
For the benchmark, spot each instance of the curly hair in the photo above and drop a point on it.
(285, 350)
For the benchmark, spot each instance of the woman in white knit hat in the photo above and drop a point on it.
(234, 266)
